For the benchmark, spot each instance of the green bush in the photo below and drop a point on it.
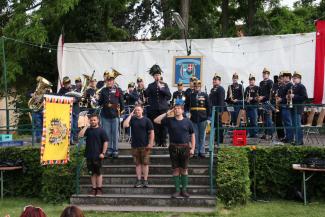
(275, 177)
(52, 183)
(20, 183)
(233, 184)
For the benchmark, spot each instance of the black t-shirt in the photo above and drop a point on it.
(95, 139)
(140, 128)
(179, 130)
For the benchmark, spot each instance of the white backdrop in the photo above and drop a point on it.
(223, 55)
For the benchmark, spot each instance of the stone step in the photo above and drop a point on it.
(154, 169)
(154, 159)
(122, 208)
(143, 200)
(161, 179)
(152, 190)
(154, 150)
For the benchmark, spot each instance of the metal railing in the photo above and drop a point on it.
(214, 145)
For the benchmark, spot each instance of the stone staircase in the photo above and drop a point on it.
(120, 195)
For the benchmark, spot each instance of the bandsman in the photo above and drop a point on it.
(198, 105)
(284, 91)
(77, 85)
(91, 96)
(298, 97)
(217, 98)
(178, 94)
(251, 99)
(235, 97)
(276, 114)
(66, 88)
(264, 98)
(140, 90)
(111, 100)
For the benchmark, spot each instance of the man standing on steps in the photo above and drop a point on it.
(142, 139)
(181, 145)
(158, 95)
(96, 146)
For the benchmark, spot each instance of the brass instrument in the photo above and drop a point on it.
(248, 95)
(43, 86)
(260, 104)
(289, 99)
(277, 103)
(230, 93)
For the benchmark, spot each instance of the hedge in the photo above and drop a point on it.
(233, 184)
(275, 177)
(52, 183)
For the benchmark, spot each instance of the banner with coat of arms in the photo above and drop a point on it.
(56, 129)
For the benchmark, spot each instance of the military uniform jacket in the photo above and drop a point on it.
(265, 89)
(75, 106)
(253, 91)
(178, 95)
(283, 91)
(300, 96)
(198, 105)
(158, 98)
(111, 99)
(188, 91)
(141, 97)
(217, 98)
(237, 92)
(131, 98)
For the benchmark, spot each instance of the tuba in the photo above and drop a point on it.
(43, 86)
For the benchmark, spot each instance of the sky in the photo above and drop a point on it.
(289, 3)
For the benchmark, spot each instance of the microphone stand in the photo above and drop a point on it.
(243, 97)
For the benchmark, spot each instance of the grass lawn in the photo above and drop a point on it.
(14, 206)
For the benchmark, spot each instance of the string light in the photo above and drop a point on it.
(71, 48)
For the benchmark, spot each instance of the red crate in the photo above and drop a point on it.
(239, 138)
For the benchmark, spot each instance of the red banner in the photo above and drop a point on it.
(319, 62)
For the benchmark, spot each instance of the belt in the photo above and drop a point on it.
(198, 109)
(180, 145)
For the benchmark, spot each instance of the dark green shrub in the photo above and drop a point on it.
(275, 177)
(233, 184)
(52, 183)
(26, 184)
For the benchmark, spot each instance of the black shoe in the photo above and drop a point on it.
(177, 194)
(138, 184)
(185, 194)
(202, 156)
(286, 141)
(145, 184)
(297, 144)
(115, 155)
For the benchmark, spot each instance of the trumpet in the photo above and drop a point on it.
(248, 96)
(260, 106)
(231, 97)
(277, 106)
(289, 102)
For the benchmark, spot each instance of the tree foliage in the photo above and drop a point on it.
(41, 22)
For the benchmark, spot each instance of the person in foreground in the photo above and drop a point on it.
(181, 145)
(96, 147)
(72, 211)
(32, 211)
(142, 139)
